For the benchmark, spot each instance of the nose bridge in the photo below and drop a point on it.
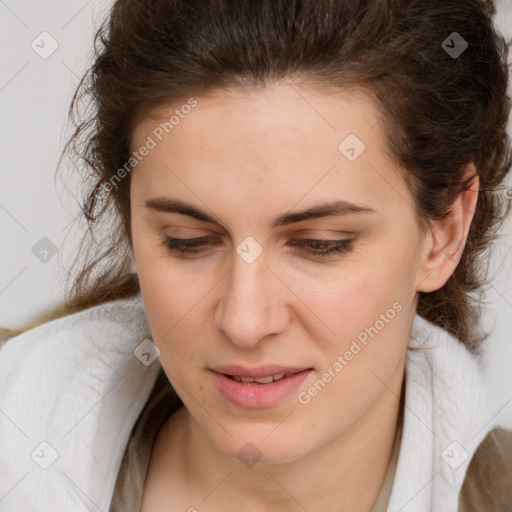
(248, 309)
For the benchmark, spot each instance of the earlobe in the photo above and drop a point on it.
(447, 239)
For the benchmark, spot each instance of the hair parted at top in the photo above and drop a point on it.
(440, 111)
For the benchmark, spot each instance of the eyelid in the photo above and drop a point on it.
(324, 234)
(186, 229)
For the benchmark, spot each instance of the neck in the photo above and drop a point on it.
(346, 474)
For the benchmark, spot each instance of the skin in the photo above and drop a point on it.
(246, 158)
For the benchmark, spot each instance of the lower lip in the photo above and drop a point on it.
(258, 396)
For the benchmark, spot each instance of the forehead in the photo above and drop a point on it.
(283, 109)
(288, 140)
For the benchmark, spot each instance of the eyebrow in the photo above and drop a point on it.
(334, 208)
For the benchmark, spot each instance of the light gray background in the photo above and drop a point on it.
(35, 94)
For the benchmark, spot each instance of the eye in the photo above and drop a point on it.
(186, 246)
(317, 248)
(323, 248)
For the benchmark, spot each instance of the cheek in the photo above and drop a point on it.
(166, 289)
(173, 307)
(175, 302)
(365, 313)
(174, 313)
(159, 293)
(353, 298)
(370, 322)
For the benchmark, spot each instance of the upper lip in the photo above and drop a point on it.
(260, 371)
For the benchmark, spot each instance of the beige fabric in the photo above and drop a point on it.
(488, 483)
(162, 403)
(381, 504)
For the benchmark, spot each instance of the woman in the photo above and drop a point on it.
(295, 199)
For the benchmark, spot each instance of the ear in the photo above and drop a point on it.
(446, 238)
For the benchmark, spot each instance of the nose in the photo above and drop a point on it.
(250, 308)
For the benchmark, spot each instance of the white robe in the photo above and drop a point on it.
(72, 389)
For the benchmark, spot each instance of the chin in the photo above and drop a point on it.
(252, 447)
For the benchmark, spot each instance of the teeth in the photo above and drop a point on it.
(261, 380)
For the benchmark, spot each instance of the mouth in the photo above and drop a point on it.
(261, 374)
(258, 388)
(259, 380)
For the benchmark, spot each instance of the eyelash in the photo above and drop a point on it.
(186, 246)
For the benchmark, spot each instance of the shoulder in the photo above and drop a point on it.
(488, 482)
(74, 355)
(71, 390)
(75, 328)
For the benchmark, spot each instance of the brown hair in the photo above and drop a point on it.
(440, 111)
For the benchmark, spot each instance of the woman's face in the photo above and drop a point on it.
(249, 291)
